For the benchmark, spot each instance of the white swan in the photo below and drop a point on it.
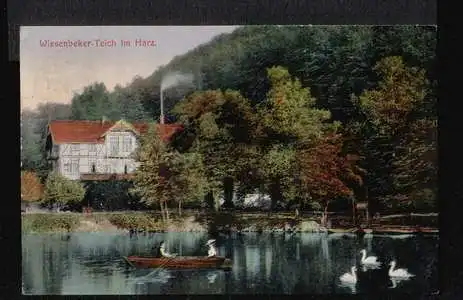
(212, 249)
(370, 260)
(398, 273)
(349, 277)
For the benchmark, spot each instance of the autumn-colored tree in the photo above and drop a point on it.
(31, 188)
(325, 172)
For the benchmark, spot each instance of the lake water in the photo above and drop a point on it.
(90, 263)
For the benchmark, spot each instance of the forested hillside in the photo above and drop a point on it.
(377, 84)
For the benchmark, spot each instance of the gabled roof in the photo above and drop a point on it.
(122, 125)
(68, 132)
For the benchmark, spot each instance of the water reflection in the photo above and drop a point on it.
(366, 268)
(90, 263)
(212, 276)
(396, 281)
(158, 275)
(352, 287)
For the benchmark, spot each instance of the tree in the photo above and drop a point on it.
(218, 126)
(31, 188)
(165, 176)
(62, 191)
(415, 167)
(92, 104)
(187, 178)
(390, 110)
(150, 180)
(325, 172)
(126, 103)
(288, 120)
(33, 133)
(110, 194)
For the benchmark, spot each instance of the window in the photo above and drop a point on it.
(127, 144)
(75, 149)
(92, 149)
(75, 166)
(66, 166)
(113, 145)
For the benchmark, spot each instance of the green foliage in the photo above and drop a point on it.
(136, 222)
(398, 146)
(60, 190)
(34, 132)
(111, 194)
(92, 104)
(188, 181)
(165, 175)
(149, 181)
(401, 90)
(249, 118)
(288, 121)
(290, 109)
(220, 124)
(49, 222)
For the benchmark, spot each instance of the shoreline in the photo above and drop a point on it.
(221, 223)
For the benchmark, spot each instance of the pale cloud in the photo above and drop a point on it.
(53, 74)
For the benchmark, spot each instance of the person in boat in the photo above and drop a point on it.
(212, 252)
(161, 251)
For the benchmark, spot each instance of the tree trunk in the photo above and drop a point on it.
(275, 194)
(180, 208)
(161, 205)
(209, 198)
(353, 212)
(325, 215)
(228, 189)
(167, 212)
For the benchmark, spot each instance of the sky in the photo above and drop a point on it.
(53, 74)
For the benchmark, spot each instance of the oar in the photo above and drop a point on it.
(128, 261)
(159, 267)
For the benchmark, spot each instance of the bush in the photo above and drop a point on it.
(111, 195)
(62, 191)
(136, 221)
(49, 222)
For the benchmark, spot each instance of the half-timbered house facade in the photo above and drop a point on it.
(82, 150)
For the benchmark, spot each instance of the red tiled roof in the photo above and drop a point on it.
(64, 131)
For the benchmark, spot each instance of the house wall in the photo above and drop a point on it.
(111, 156)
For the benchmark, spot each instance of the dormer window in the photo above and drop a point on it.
(114, 145)
(127, 144)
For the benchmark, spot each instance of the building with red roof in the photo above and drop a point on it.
(97, 150)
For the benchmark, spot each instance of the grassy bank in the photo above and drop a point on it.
(194, 221)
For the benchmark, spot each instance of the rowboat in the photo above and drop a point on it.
(182, 262)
